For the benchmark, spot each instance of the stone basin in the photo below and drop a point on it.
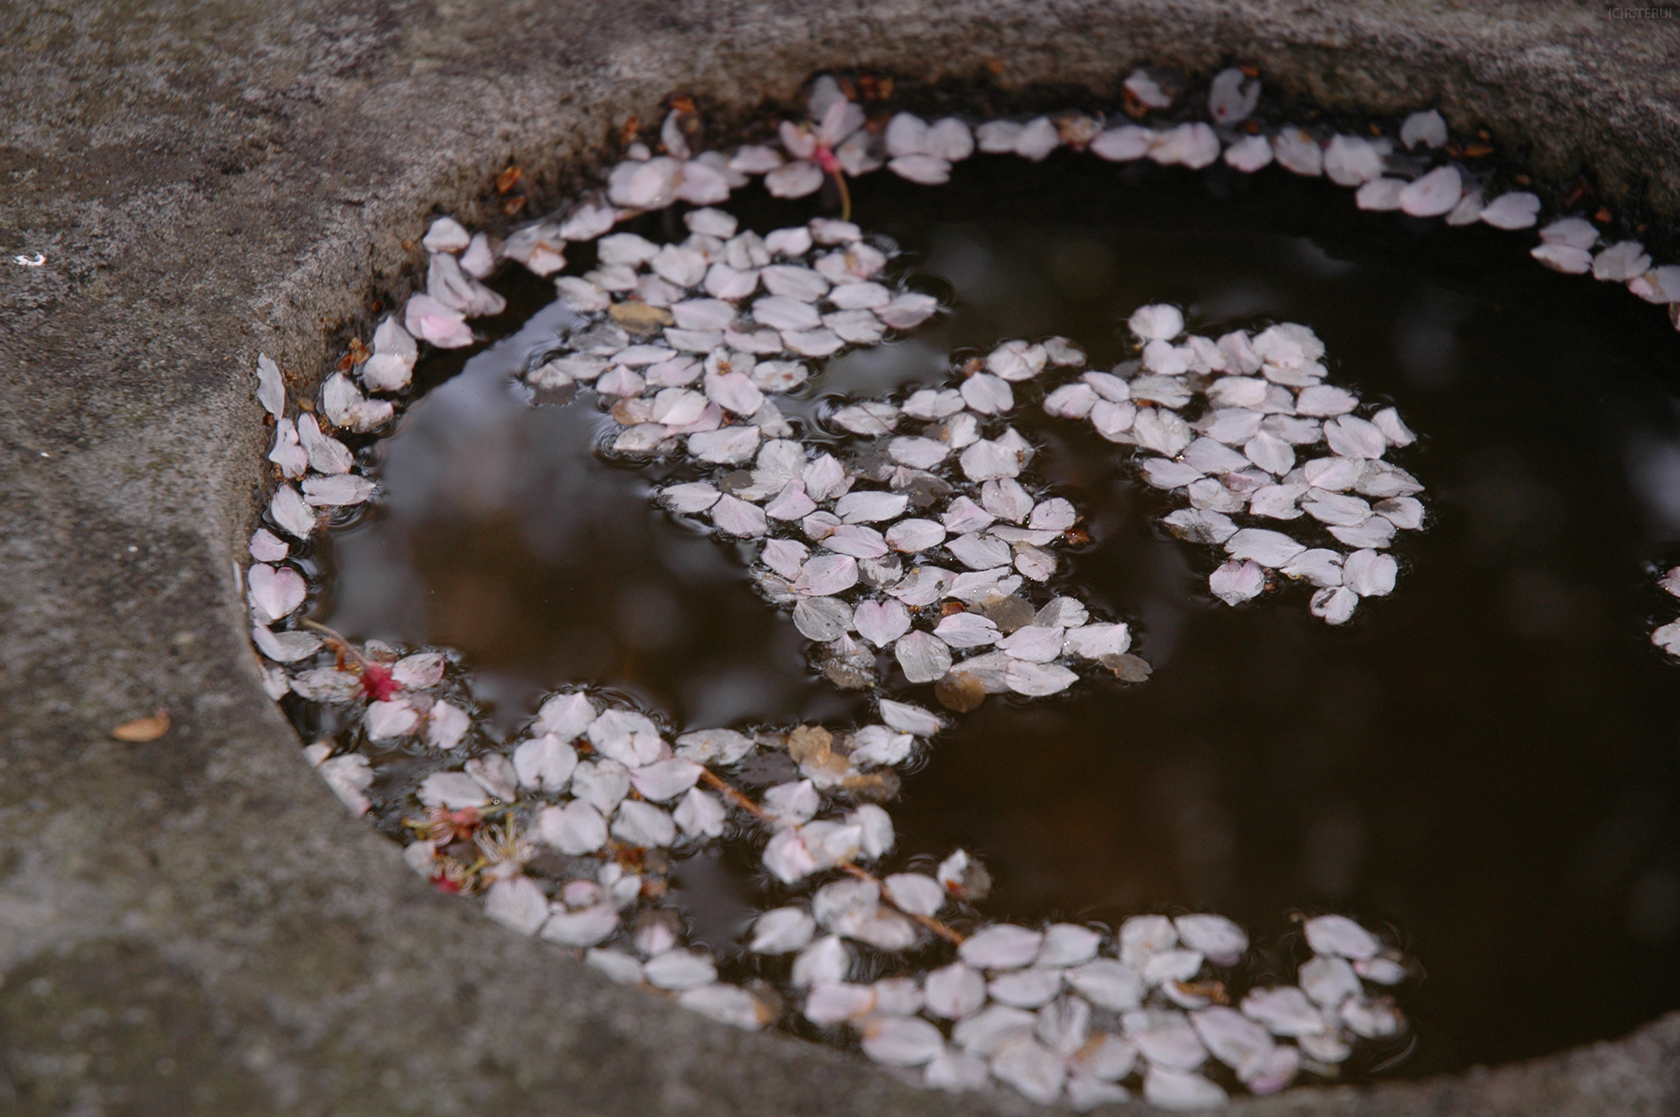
(194, 924)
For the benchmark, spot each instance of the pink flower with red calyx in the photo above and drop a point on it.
(836, 146)
(378, 684)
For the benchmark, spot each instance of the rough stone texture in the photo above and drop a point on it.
(194, 925)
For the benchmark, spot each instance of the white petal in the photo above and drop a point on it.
(1268, 548)
(1159, 321)
(1037, 680)
(1030, 1068)
(271, 388)
(679, 969)
(726, 446)
(1001, 946)
(446, 725)
(1382, 195)
(1337, 934)
(955, 991)
(291, 512)
(881, 622)
(1249, 154)
(1181, 1090)
(275, 592)
(1237, 581)
(908, 310)
(1370, 573)
(782, 931)
(1093, 641)
(834, 1002)
(923, 657)
(727, 1004)
(1027, 988)
(584, 927)
(924, 169)
(1122, 144)
(950, 139)
(1334, 605)
(826, 575)
(867, 506)
(915, 893)
(1426, 128)
(902, 1041)
(285, 647)
(1564, 258)
(1037, 139)
(907, 718)
(1298, 152)
(1197, 525)
(545, 762)
(984, 1033)
(454, 790)
(517, 903)
(1232, 96)
(1516, 210)
(664, 780)
(1108, 984)
(794, 180)
(339, 490)
(1434, 194)
(643, 824)
(1328, 980)
(1352, 160)
(1146, 89)
(576, 828)
(1067, 944)
(1284, 1010)
(1619, 263)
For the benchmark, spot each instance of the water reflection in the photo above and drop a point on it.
(503, 536)
(1489, 759)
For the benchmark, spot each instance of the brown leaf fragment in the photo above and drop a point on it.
(960, 691)
(1212, 990)
(1008, 613)
(141, 730)
(640, 317)
(872, 787)
(1128, 668)
(810, 744)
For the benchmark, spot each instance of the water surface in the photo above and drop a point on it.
(1488, 761)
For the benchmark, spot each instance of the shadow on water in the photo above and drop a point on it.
(1489, 761)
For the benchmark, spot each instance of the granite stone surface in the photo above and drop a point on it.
(195, 925)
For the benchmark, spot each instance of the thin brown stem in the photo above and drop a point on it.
(845, 195)
(340, 642)
(943, 930)
(712, 779)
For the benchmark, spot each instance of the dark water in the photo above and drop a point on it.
(1488, 761)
